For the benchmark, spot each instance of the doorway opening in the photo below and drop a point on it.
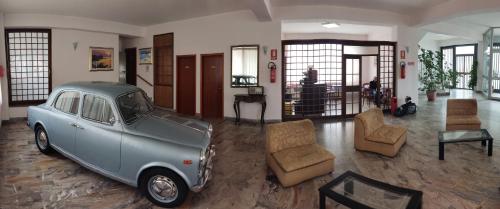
(331, 78)
(131, 66)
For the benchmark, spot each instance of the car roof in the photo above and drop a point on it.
(111, 89)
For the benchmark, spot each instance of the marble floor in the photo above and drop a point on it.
(467, 178)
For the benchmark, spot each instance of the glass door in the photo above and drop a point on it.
(487, 62)
(495, 65)
(352, 83)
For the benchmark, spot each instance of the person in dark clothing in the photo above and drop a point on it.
(373, 87)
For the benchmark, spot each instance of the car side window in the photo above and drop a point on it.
(97, 109)
(68, 102)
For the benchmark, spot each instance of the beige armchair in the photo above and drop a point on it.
(371, 134)
(292, 152)
(461, 114)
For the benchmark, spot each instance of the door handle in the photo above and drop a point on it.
(76, 126)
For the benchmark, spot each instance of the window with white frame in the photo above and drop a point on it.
(28, 65)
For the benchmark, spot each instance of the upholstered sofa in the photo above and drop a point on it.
(461, 114)
(293, 154)
(371, 134)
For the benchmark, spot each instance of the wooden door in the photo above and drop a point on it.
(164, 70)
(212, 71)
(131, 66)
(186, 84)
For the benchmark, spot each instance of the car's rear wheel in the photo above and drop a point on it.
(42, 140)
(164, 187)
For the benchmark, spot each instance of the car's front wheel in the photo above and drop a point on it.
(42, 140)
(164, 187)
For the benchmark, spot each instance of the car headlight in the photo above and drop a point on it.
(203, 162)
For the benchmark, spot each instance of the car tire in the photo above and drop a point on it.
(173, 188)
(42, 140)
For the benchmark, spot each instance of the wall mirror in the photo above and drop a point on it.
(244, 66)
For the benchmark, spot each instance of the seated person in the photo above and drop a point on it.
(374, 84)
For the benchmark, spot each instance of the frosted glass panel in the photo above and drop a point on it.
(28, 56)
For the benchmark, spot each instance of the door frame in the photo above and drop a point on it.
(177, 80)
(202, 84)
(344, 83)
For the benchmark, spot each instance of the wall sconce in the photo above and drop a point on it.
(75, 45)
(264, 49)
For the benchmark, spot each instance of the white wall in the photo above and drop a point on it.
(70, 22)
(342, 36)
(369, 68)
(429, 44)
(3, 81)
(73, 65)
(408, 37)
(216, 34)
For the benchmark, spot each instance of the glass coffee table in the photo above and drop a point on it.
(356, 191)
(482, 135)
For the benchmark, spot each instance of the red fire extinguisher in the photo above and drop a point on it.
(272, 67)
(403, 70)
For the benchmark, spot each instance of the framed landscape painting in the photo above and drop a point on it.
(145, 56)
(101, 59)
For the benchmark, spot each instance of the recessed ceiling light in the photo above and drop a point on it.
(330, 25)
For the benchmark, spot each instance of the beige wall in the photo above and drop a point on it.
(216, 34)
(73, 65)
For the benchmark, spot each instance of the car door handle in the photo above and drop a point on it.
(76, 126)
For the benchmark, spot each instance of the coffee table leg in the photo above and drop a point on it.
(321, 201)
(483, 143)
(490, 147)
(441, 151)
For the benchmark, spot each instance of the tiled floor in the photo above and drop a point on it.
(467, 178)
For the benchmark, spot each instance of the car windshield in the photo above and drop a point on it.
(133, 105)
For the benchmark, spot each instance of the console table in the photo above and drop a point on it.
(249, 98)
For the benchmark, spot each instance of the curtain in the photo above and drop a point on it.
(245, 61)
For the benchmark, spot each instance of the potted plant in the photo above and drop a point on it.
(473, 76)
(429, 76)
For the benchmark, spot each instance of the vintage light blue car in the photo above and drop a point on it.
(113, 129)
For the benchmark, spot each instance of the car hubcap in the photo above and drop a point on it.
(42, 139)
(162, 188)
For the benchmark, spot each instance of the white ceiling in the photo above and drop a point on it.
(398, 6)
(437, 36)
(484, 19)
(135, 12)
(148, 12)
(316, 27)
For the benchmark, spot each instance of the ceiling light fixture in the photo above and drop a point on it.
(330, 25)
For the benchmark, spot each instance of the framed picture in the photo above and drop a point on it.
(256, 90)
(101, 59)
(145, 56)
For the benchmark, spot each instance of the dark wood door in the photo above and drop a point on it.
(186, 84)
(212, 71)
(131, 66)
(164, 70)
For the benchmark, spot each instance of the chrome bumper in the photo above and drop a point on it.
(207, 172)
